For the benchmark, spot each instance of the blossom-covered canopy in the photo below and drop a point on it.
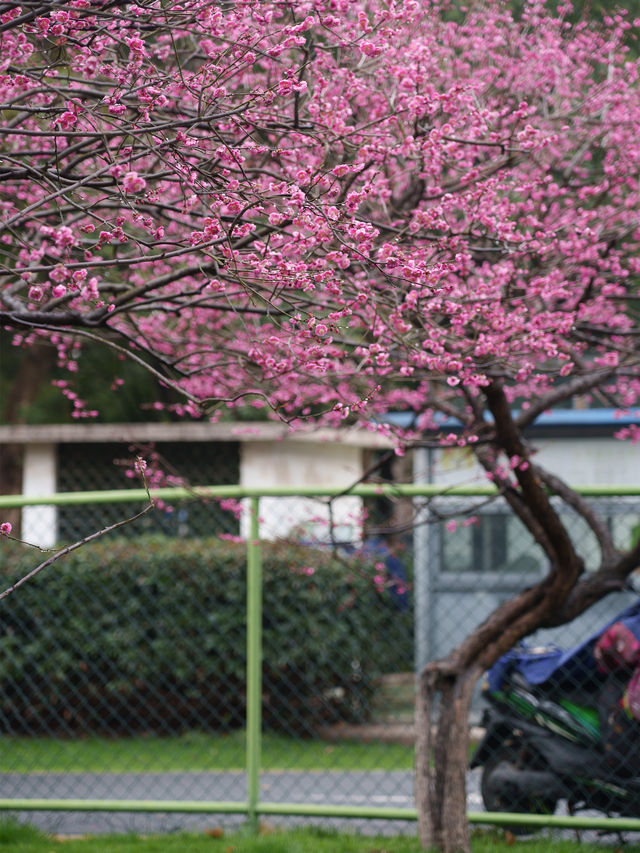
(325, 208)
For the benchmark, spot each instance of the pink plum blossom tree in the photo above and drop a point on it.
(328, 209)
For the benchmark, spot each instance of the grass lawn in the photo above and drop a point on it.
(193, 751)
(24, 839)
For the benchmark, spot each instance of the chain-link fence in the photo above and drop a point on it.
(126, 668)
(81, 466)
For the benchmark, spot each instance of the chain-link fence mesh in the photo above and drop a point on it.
(559, 729)
(123, 667)
(81, 466)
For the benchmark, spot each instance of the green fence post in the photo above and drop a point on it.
(254, 664)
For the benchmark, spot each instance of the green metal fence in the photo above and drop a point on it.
(430, 590)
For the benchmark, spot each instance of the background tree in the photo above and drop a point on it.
(329, 209)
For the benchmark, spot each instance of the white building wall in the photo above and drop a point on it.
(578, 461)
(591, 461)
(303, 463)
(39, 523)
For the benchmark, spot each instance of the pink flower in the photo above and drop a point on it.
(136, 44)
(140, 465)
(609, 359)
(68, 119)
(370, 49)
(133, 183)
(5, 528)
(35, 293)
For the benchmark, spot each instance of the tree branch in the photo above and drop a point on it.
(508, 437)
(610, 554)
(69, 548)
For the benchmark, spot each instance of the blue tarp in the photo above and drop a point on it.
(553, 663)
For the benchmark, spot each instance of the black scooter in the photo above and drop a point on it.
(547, 729)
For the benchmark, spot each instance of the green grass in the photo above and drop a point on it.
(24, 839)
(193, 751)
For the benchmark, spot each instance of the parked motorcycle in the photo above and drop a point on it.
(557, 728)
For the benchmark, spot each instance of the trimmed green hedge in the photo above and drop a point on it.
(141, 636)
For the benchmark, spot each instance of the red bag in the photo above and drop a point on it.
(617, 649)
(631, 698)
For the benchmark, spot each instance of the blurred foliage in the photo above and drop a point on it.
(149, 636)
(120, 391)
(93, 382)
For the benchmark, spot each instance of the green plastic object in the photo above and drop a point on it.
(587, 717)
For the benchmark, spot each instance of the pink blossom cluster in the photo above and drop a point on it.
(325, 209)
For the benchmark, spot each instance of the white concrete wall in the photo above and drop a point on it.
(591, 461)
(303, 463)
(39, 523)
(307, 461)
(578, 461)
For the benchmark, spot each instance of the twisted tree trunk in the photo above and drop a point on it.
(446, 687)
(442, 715)
(441, 791)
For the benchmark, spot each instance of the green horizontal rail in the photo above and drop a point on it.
(197, 807)
(363, 490)
(239, 492)
(68, 805)
(612, 824)
(541, 821)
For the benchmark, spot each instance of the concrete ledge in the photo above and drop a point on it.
(187, 431)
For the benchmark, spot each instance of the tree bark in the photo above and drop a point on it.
(441, 789)
(443, 731)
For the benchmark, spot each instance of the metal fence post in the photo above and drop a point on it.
(254, 663)
(423, 600)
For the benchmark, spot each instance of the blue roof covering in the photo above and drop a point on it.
(575, 663)
(611, 419)
(589, 417)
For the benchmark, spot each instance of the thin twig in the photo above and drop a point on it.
(69, 548)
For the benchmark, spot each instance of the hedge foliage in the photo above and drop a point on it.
(149, 636)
